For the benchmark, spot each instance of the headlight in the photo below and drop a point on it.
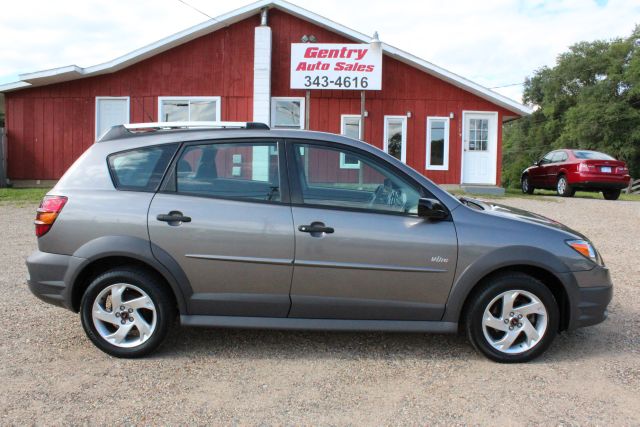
(585, 249)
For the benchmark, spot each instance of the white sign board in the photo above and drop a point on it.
(336, 66)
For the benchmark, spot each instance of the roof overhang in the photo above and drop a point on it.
(73, 72)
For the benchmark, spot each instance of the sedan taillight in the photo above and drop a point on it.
(623, 170)
(584, 167)
(47, 213)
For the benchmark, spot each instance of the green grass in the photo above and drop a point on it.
(22, 196)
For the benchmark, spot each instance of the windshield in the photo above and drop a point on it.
(591, 155)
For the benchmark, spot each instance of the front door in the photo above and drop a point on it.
(361, 250)
(480, 148)
(224, 218)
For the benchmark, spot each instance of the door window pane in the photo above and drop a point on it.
(240, 170)
(478, 134)
(287, 113)
(371, 187)
(188, 110)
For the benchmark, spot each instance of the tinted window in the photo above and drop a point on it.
(238, 170)
(371, 186)
(591, 155)
(140, 169)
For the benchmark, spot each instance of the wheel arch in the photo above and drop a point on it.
(109, 252)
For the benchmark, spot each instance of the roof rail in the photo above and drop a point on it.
(125, 130)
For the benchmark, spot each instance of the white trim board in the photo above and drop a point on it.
(41, 78)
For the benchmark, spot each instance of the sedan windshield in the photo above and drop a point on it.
(591, 155)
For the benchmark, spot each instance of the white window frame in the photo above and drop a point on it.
(403, 152)
(287, 98)
(217, 100)
(99, 98)
(343, 118)
(445, 165)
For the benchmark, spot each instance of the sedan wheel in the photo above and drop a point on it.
(526, 186)
(563, 188)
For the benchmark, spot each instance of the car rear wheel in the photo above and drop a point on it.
(126, 312)
(563, 188)
(514, 318)
(611, 194)
(526, 186)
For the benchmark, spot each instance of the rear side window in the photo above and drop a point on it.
(230, 170)
(140, 169)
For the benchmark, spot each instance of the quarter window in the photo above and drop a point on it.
(437, 143)
(371, 187)
(140, 169)
(237, 170)
(287, 113)
(188, 109)
(350, 127)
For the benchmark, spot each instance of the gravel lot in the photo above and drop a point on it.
(51, 373)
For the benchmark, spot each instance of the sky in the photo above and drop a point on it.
(491, 42)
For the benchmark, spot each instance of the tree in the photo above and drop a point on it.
(590, 99)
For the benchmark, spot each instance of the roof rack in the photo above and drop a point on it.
(121, 131)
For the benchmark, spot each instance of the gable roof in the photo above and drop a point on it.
(72, 72)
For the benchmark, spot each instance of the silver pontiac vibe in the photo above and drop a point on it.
(236, 225)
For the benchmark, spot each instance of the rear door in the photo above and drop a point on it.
(361, 250)
(224, 216)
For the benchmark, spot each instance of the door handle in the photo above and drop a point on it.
(316, 227)
(173, 218)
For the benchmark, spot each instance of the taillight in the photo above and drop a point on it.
(47, 213)
(585, 167)
(622, 170)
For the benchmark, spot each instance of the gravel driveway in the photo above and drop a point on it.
(51, 373)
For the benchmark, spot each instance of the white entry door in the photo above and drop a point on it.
(111, 111)
(480, 148)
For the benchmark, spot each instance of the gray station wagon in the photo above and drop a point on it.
(236, 225)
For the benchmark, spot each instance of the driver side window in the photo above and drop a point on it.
(547, 158)
(370, 187)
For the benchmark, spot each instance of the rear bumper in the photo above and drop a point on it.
(601, 185)
(48, 275)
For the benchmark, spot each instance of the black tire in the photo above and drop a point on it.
(563, 188)
(525, 185)
(611, 194)
(492, 288)
(165, 310)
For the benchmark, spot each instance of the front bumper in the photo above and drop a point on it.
(49, 275)
(590, 297)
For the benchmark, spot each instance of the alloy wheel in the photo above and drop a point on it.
(514, 322)
(124, 315)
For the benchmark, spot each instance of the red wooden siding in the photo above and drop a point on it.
(48, 127)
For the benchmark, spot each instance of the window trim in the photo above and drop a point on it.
(169, 183)
(343, 119)
(295, 183)
(217, 99)
(403, 151)
(445, 159)
(274, 99)
(100, 98)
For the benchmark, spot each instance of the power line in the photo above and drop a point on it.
(197, 10)
(510, 84)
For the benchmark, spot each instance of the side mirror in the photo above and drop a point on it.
(431, 209)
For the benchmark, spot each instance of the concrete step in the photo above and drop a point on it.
(492, 190)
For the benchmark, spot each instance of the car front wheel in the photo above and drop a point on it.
(514, 318)
(126, 312)
(527, 188)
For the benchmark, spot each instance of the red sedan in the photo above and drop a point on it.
(569, 170)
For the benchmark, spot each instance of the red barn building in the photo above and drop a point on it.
(237, 68)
